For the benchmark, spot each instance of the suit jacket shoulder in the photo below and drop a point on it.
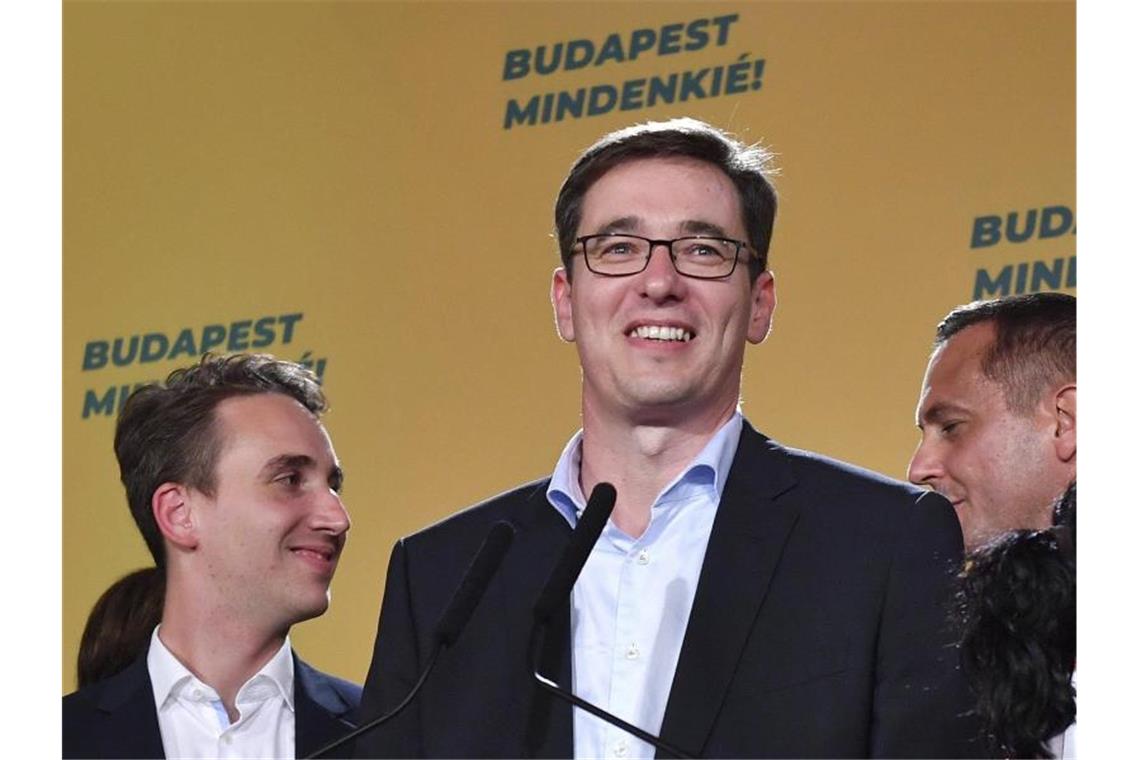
(514, 506)
(873, 506)
(325, 708)
(823, 473)
(486, 672)
(115, 717)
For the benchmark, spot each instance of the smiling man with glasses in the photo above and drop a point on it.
(744, 599)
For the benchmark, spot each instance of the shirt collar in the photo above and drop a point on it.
(565, 491)
(168, 676)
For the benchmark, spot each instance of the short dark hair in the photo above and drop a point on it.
(1035, 343)
(166, 431)
(748, 166)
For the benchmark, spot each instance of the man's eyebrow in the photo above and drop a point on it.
(302, 462)
(698, 227)
(286, 461)
(621, 224)
(629, 224)
(939, 412)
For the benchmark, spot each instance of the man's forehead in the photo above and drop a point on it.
(632, 223)
(629, 186)
(258, 408)
(961, 356)
(954, 377)
(264, 417)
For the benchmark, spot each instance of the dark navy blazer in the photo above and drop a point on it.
(116, 717)
(819, 626)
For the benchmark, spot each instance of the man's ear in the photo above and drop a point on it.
(173, 511)
(1065, 433)
(560, 300)
(762, 302)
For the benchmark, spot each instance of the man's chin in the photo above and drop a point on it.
(669, 394)
(312, 607)
(973, 535)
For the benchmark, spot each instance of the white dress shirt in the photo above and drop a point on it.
(631, 604)
(193, 721)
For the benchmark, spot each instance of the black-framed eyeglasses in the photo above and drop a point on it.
(699, 256)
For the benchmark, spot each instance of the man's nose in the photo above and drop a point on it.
(331, 516)
(924, 466)
(660, 278)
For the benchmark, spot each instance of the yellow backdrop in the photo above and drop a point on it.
(368, 188)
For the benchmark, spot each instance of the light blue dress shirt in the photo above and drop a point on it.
(630, 607)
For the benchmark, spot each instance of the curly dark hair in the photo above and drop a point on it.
(1016, 605)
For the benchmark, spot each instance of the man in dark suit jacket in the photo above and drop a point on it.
(234, 484)
(116, 717)
(744, 600)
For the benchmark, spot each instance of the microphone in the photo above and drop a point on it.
(573, 559)
(451, 623)
(557, 591)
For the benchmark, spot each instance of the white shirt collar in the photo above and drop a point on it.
(170, 678)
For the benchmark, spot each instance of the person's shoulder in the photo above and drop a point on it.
(511, 506)
(94, 717)
(825, 475)
(867, 506)
(81, 700)
(321, 686)
(109, 690)
(823, 468)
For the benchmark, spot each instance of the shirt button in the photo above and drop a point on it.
(631, 652)
(643, 557)
(227, 738)
(621, 749)
(197, 694)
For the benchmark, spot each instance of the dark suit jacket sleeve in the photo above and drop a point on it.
(920, 699)
(395, 667)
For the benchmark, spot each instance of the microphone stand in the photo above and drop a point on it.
(557, 590)
(538, 636)
(451, 622)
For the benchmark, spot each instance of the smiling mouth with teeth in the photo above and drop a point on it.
(325, 555)
(658, 332)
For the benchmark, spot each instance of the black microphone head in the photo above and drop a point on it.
(474, 583)
(569, 567)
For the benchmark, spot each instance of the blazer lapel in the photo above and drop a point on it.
(542, 535)
(131, 728)
(744, 549)
(320, 711)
